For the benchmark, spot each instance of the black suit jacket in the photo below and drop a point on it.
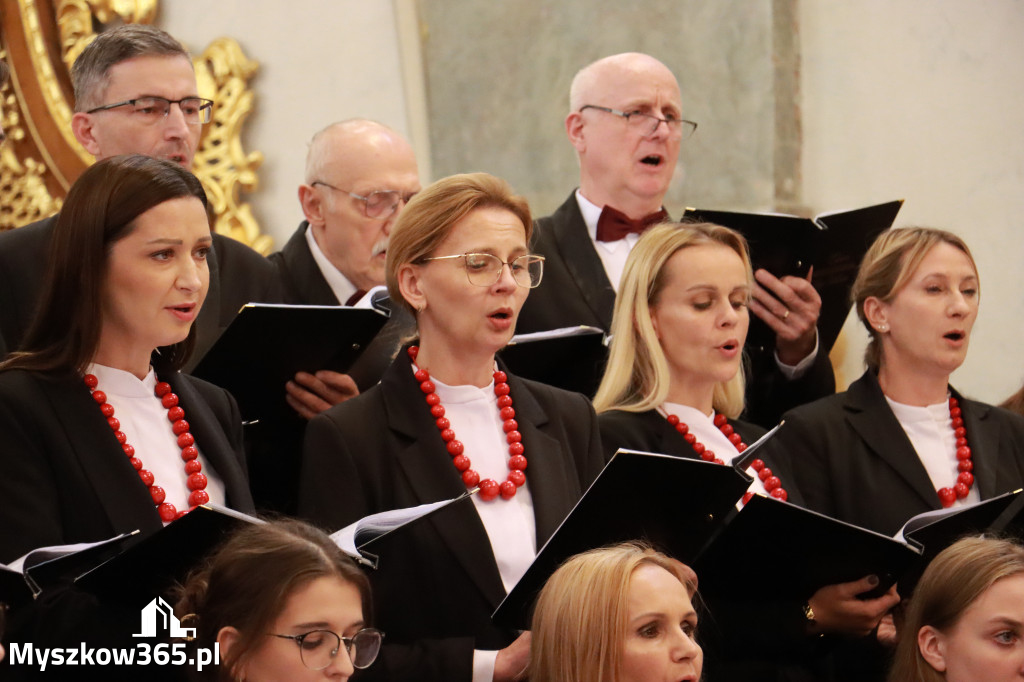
(848, 457)
(650, 432)
(575, 290)
(66, 477)
(238, 275)
(302, 283)
(438, 581)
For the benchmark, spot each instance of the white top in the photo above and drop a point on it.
(711, 437)
(613, 257)
(339, 284)
(144, 421)
(510, 524)
(930, 430)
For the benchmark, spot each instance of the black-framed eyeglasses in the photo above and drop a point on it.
(317, 648)
(379, 204)
(195, 110)
(647, 124)
(484, 269)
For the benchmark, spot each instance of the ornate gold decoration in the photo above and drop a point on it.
(40, 41)
(223, 71)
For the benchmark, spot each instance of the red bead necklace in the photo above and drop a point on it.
(771, 482)
(965, 479)
(186, 441)
(489, 488)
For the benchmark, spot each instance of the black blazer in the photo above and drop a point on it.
(650, 432)
(575, 290)
(66, 478)
(438, 579)
(847, 456)
(238, 275)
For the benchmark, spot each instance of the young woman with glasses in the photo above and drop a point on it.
(445, 418)
(282, 602)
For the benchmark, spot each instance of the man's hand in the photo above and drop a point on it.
(792, 313)
(838, 610)
(512, 661)
(309, 394)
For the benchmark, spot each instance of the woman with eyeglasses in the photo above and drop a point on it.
(447, 418)
(282, 602)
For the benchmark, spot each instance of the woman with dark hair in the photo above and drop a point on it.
(459, 261)
(103, 435)
(282, 602)
(965, 621)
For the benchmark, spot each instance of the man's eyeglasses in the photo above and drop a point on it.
(484, 269)
(195, 110)
(318, 648)
(380, 204)
(647, 124)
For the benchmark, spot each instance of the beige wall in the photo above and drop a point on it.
(924, 100)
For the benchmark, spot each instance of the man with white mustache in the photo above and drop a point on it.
(359, 176)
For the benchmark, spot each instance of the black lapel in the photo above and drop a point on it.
(869, 415)
(581, 259)
(983, 438)
(211, 439)
(124, 497)
(304, 280)
(427, 468)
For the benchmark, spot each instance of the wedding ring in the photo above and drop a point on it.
(784, 315)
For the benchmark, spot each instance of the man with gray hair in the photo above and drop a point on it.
(626, 124)
(359, 176)
(135, 92)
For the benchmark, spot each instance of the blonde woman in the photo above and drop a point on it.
(618, 614)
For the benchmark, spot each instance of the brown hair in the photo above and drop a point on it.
(247, 582)
(580, 620)
(888, 265)
(953, 581)
(429, 217)
(100, 209)
(636, 378)
(90, 74)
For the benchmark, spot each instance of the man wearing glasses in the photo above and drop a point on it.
(626, 123)
(135, 92)
(359, 176)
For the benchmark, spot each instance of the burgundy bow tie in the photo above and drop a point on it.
(614, 225)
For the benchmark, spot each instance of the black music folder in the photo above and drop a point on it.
(687, 509)
(833, 243)
(266, 344)
(572, 358)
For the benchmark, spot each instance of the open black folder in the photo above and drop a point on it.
(572, 358)
(833, 243)
(687, 508)
(266, 344)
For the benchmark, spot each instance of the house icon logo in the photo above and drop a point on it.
(158, 616)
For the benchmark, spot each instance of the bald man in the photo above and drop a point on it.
(626, 124)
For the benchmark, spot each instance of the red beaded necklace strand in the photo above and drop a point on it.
(186, 441)
(965, 479)
(771, 482)
(489, 488)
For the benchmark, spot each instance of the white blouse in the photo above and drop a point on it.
(930, 430)
(144, 421)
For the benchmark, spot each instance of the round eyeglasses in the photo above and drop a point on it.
(484, 269)
(318, 648)
(647, 124)
(195, 110)
(379, 204)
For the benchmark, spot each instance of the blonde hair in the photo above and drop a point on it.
(431, 215)
(954, 580)
(637, 376)
(888, 266)
(580, 620)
